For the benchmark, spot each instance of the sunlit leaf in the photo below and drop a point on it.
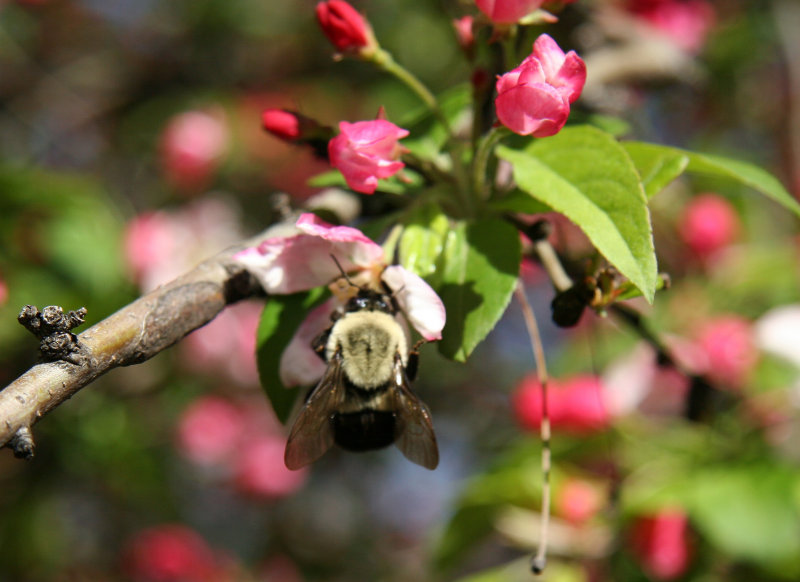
(280, 319)
(479, 268)
(586, 175)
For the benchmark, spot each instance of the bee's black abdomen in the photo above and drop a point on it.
(364, 430)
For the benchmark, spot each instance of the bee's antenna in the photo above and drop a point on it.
(341, 270)
(539, 561)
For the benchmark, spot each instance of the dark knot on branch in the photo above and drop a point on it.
(53, 327)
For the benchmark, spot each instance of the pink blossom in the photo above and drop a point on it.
(686, 23)
(260, 470)
(367, 151)
(344, 26)
(661, 543)
(170, 553)
(227, 345)
(575, 405)
(708, 224)
(160, 246)
(534, 99)
(192, 146)
(464, 34)
(209, 430)
(3, 292)
(508, 11)
(729, 344)
(578, 500)
(301, 260)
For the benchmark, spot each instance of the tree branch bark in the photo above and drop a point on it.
(132, 335)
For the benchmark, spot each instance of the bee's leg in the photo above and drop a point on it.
(320, 342)
(413, 361)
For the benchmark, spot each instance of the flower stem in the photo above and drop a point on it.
(481, 160)
(384, 60)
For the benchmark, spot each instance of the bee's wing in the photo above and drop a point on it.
(312, 432)
(414, 434)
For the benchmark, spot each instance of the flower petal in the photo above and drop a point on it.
(300, 365)
(288, 264)
(420, 303)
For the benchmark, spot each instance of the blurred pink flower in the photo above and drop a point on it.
(160, 246)
(170, 553)
(728, 342)
(575, 404)
(260, 470)
(367, 151)
(534, 98)
(708, 224)
(227, 345)
(192, 145)
(578, 500)
(3, 291)
(344, 26)
(685, 22)
(661, 543)
(464, 34)
(508, 11)
(210, 430)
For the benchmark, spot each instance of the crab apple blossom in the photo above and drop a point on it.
(575, 405)
(367, 151)
(302, 260)
(171, 553)
(708, 224)
(260, 470)
(578, 500)
(661, 543)
(534, 98)
(508, 11)
(686, 23)
(209, 430)
(728, 342)
(192, 147)
(344, 26)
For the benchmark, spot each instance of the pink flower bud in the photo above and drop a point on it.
(261, 472)
(209, 430)
(729, 345)
(367, 151)
(507, 11)
(578, 501)
(344, 26)
(464, 34)
(170, 553)
(575, 405)
(534, 99)
(192, 146)
(686, 23)
(661, 543)
(709, 223)
(281, 123)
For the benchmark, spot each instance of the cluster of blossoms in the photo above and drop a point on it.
(238, 444)
(532, 99)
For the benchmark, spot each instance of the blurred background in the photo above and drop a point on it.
(131, 148)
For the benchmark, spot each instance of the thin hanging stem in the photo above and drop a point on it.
(539, 560)
(384, 60)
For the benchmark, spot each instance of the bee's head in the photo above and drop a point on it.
(369, 300)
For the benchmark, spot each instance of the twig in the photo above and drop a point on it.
(132, 335)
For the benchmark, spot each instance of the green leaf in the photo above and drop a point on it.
(280, 319)
(749, 513)
(586, 175)
(742, 172)
(422, 241)
(479, 266)
(657, 168)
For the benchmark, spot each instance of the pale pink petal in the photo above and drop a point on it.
(300, 365)
(420, 303)
(303, 261)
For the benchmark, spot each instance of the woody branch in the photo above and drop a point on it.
(130, 336)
